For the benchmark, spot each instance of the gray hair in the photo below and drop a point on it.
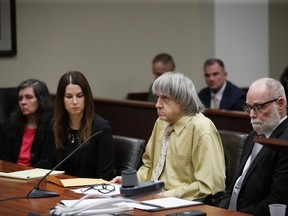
(273, 87)
(181, 89)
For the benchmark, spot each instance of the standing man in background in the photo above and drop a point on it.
(161, 64)
(220, 93)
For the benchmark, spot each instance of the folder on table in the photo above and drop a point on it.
(73, 182)
(25, 175)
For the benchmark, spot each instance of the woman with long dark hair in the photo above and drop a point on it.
(74, 122)
(27, 135)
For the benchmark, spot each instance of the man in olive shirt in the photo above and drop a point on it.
(194, 165)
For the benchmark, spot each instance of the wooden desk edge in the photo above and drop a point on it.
(42, 206)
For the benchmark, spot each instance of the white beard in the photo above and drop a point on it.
(266, 127)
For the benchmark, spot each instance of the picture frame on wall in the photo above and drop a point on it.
(8, 28)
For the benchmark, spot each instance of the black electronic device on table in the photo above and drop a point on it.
(188, 213)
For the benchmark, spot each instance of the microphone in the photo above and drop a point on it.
(38, 193)
(132, 188)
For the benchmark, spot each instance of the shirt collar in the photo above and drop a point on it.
(219, 94)
(181, 123)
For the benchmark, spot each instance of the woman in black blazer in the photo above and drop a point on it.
(74, 122)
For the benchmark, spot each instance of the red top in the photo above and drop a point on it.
(27, 141)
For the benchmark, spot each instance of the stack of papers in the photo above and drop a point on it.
(148, 205)
(85, 206)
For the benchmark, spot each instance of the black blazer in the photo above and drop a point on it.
(266, 180)
(233, 97)
(94, 160)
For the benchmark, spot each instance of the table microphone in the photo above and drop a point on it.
(38, 193)
(132, 188)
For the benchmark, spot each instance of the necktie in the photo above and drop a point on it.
(215, 102)
(233, 200)
(159, 168)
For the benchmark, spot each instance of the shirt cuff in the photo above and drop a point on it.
(170, 193)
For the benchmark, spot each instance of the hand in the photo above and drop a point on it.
(161, 194)
(117, 180)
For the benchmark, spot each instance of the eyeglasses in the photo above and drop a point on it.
(256, 107)
(101, 188)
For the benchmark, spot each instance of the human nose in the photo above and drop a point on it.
(211, 78)
(159, 103)
(253, 113)
(22, 100)
(75, 100)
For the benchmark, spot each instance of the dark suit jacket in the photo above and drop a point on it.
(266, 180)
(233, 97)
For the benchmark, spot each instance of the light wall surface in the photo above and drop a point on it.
(113, 42)
(278, 37)
(241, 38)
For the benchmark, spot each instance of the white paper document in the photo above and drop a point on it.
(69, 203)
(149, 205)
(164, 203)
(89, 206)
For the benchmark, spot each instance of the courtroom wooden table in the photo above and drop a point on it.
(41, 206)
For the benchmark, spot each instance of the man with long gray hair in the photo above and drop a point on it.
(185, 150)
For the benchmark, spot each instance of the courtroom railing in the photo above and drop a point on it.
(136, 118)
(230, 120)
(127, 117)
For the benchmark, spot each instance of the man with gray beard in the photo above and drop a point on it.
(262, 176)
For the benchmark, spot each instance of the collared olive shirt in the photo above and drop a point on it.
(195, 163)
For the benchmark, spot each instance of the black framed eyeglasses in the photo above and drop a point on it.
(101, 188)
(258, 108)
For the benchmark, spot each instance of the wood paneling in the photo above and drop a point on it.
(136, 118)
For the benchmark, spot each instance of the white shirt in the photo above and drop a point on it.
(218, 96)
